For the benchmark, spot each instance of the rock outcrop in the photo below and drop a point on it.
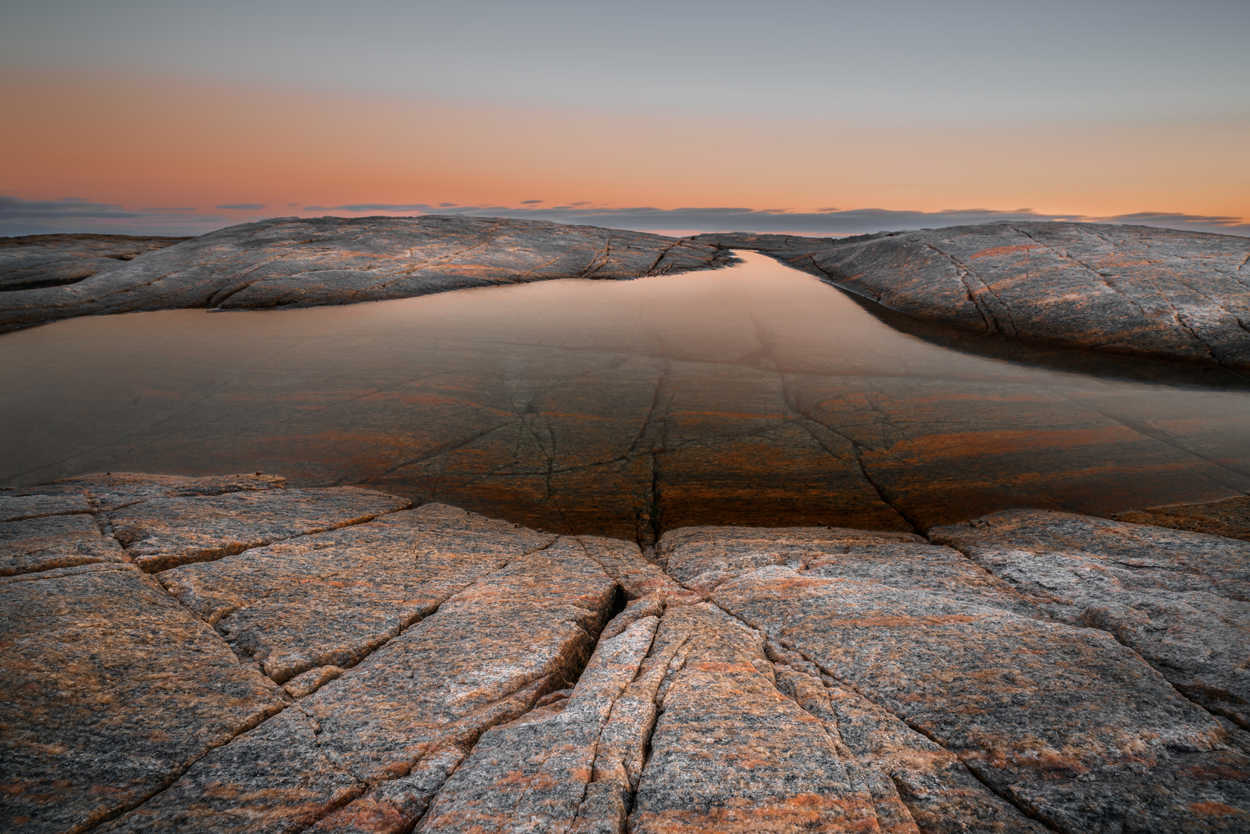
(35, 261)
(1123, 289)
(371, 667)
(294, 262)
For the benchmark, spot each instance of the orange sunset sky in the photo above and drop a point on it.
(142, 117)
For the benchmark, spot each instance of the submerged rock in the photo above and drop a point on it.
(433, 670)
(294, 262)
(1125, 289)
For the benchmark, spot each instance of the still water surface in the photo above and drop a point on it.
(752, 395)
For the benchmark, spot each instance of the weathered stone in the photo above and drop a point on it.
(704, 557)
(1229, 518)
(406, 714)
(1127, 289)
(16, 505)
(1075, 728)
(1164, 593)
(34, 261)
(111, 690)
(532, 774)
(915, 784)
(113, 490)
(303, 262)
(624, 562)
(332, 598)
(57, 541)
(161, 533)
(730, 752)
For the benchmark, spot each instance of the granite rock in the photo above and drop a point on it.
(1124, 289)
(1075, 729)
(388, 730)
(56, 541)
(304, 262)
(369, 583)
(111, 689)
(1163, 593)
(35, 261)
(445, 672)
(161, 533)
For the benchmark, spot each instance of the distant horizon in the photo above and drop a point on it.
(21, 218)
(829, 118)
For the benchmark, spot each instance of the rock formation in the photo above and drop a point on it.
(228, 655)
(294, 262)
(35, 261)
(1124, 289)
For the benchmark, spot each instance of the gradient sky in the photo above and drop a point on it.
(823, 118)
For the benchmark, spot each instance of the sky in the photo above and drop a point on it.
(160, 117)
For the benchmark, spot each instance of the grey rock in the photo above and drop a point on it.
(1125, 289)
(35, 261)
(1181, 600)
(294, 262)
(110, 690)
(58, 541)
(161, 533)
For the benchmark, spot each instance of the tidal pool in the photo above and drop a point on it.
(753, 395)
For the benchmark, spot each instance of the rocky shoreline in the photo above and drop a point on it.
(1129, 290)
(227, 654)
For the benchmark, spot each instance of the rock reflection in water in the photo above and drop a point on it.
(754, 395)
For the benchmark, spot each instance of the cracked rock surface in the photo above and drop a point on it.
(433, 670)
(308, 262)
(35, 261)
(1124, 289)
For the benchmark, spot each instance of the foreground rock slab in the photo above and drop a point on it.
(111, 690)
(1120, 746)
(433, 670)
(1164, 593)
(1125, 289)
(164, 532)
(294, 262)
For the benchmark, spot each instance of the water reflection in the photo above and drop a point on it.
(755, 395)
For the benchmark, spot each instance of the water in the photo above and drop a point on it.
(753, 395)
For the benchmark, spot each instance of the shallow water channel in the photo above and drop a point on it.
(751, 395)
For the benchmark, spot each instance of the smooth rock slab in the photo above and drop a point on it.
(1078, 730)
(57, 541)
(34, 261)
(331, 598)
(110, 690)
(407, 714)
(161, 533)
(1181, 600)
(105, 491)
(1126, 289)
(304, 262)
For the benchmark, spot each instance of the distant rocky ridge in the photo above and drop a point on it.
(228, 655)
(36, 261)
(293, 262)
(1125, 289)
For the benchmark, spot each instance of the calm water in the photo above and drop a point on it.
(752, 395)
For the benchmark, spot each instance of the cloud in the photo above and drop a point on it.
(531, 202)
(831, 222)
(242, 206)
(36, 217)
